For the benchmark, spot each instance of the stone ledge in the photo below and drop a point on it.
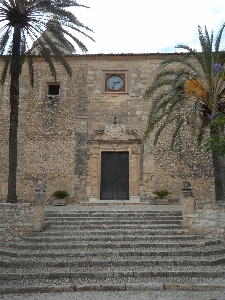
(132, 200)
(194, 287)
(110, 287)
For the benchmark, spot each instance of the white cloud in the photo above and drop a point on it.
(131, 26)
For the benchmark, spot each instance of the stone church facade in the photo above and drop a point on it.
(84, 134)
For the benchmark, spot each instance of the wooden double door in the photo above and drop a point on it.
(114, 176)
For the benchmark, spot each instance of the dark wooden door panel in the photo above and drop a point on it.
(114, 176)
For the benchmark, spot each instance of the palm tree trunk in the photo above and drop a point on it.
(14, 107)
(218, 177)
(223, 175)
(219, 171)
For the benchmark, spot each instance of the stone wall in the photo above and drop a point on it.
(46, 134)
(17, 220)
(54, 136)
(206, 218)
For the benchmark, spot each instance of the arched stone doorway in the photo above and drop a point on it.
(117, 148)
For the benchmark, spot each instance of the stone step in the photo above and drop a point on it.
(130, 261)
(35, 245)
(73, 221)
(114, 226)
(146, 268)
(155, 244)
(115, 219)
(113, 214)
(59, 286)
(100, 243)
(114, 229)
(52, 273)
(169, 251)
(117, 280)
(111, 234)
(123, 240)
(109, 248)
(183, 245)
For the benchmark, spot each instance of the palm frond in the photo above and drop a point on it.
(201, 132)
(165, 109)
(178, 125)
(218, 41)
(79, 31)
(161, 128)
(48, 59)
(194, 115)
(22, 51)
(4, 40)
(157, 86)
(37, 16)
(57, 53)
(187, 88)
(31, 68)
(5, 68)
(179, 65)
(190, 50)
(220, 57)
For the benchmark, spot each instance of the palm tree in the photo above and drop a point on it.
(23, 21)
(195, 80)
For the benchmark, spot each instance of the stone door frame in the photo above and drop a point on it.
(113, 138)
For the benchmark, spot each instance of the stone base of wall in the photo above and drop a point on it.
(17, 220)
(206, 219)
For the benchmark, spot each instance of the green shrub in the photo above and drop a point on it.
(60, 194)
(161, 194)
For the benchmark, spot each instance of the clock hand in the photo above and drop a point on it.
(115, 83)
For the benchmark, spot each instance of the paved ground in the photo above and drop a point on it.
(150, 295)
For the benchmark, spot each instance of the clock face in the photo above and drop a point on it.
(115, 83)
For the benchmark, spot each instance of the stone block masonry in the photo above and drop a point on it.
(55, 137)
(201, 217)
(206, 219)
(17, 220)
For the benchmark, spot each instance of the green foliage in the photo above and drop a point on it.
(216, 140)
(187, 90)
(161, 194)
(215, 143)
(60, 194)
(50, 25)
(218, 122)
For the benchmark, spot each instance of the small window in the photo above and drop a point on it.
(53, 89)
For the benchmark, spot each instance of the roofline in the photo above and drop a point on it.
(128, 54)
(119, 55)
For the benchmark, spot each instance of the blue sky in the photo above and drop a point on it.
(147, 26)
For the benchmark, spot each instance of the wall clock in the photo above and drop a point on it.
(115, 83)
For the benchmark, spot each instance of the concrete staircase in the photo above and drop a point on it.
(118, 247)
